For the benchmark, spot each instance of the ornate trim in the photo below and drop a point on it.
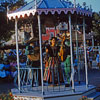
(21, 14)
(52, 11)
(65, 10)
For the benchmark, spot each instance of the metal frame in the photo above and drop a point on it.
(85, 52)
(71, 52)
(41, 59)
(46, 11)
(17, 51)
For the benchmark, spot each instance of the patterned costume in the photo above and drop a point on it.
(51, 72)
(65, 57)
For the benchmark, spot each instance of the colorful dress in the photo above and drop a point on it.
(52, 63)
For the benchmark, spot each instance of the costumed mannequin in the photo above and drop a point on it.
(51, 73)
(65, 57)
(33, 54)
(33, 58)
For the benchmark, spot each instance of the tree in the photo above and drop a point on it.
(6, 26)
(96, 26)
(18, 4)
(96, 23)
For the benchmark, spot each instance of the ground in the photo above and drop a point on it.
(5, 85)
(94, 77)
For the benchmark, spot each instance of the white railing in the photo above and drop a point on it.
(30, 79)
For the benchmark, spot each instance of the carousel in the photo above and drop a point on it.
(53, 78)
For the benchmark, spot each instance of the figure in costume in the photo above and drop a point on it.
(65, 57)
(51, 73)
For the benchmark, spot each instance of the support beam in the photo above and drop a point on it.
(41, 59)
(85, 53)
(92, 41)
(35, 4)
(71, 52)
(17, 52)
(32, 34)
(74, 2)
(77, 52)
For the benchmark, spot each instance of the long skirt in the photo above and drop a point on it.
(51, 72)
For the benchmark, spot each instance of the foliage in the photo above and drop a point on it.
(84, 98)
(6, 96)
(96, 23)
(6, 26)
(16, 5)
(13, 4)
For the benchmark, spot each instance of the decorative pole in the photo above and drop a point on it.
(85, 53)
(7, 13)
(77, 54)
(71, 52)
(35, 4)
(74, 1)
(41, 59)
(32, 34)
(40, 41)
(17, 51)
(92, 41)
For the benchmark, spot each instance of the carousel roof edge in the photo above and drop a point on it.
(27, 9)
(46, 11)
(65, 10)
(46, 6)
(21, 14)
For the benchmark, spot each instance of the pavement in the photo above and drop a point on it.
(6, 86)
(94, 77)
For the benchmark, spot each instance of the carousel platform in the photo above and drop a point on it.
(57, 93)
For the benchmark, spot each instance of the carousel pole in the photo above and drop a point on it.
(40, 41)
(74, 1)
(41, 59)
(71, 51)
(35, 4)
(17, 51)
(86, 67)
(77, 53)
(32, 34)
(92, 41)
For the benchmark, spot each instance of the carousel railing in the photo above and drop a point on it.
(54, 79)
(30, 79)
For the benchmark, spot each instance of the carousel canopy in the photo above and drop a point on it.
(47, 6)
